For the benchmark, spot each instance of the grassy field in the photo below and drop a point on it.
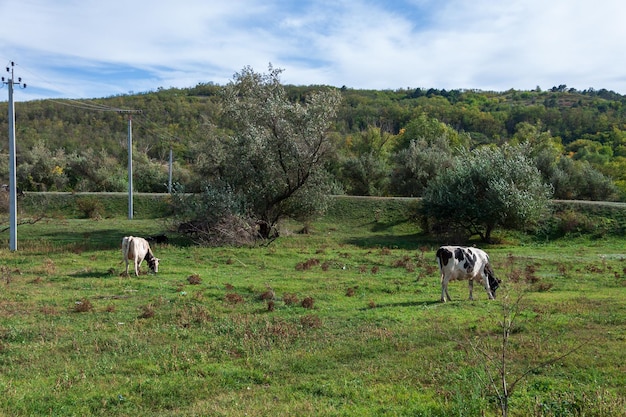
(341, 321)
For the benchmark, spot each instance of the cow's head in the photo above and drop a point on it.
(494, 283)
(153, 263)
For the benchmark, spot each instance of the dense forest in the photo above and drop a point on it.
(388, 142)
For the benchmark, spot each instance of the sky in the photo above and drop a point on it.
(83, 49)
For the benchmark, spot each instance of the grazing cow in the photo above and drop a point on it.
(458, 263)
(137, 249)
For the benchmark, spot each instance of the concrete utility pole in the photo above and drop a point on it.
(130, 160)
(169, 177)
(12, 185)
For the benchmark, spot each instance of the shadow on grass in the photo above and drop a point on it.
(95, 274)
(101, 239)
(378, 227)
(417, 304)
(408, 242)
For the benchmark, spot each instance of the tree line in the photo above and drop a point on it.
(255, 151)
(384, 142)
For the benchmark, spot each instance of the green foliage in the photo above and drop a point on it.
(91, 207)
(578, 180)
(418, 164)
(67, 146)
(429, 129)
(487, 188)
(274, 159)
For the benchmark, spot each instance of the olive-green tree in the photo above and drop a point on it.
(272, 163)
(364, 168)
(415, 166)
(486, 188)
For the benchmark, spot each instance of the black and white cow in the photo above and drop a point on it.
(460, 263)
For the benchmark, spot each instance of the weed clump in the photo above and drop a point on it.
(311, 321)
(233, 298)
(267, 295)
(83, 306)
(194, 279)
(6, 274)
(308, 303)
(308, 264)
(405, 263)
(290, 299)
(147, 312)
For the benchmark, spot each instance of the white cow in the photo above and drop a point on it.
(458, 263)
(137, 249)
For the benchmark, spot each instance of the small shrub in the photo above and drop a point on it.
(271, 305)
(90, 207)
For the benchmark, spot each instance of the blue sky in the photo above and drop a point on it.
(102, 48)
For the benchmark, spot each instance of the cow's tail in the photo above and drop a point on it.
(438, 255)
(126, 246)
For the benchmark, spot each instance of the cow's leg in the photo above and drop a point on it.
(471, 289)
(444, 289)
(126, 259)
(137, 266)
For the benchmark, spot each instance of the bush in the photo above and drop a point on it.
(90, 207)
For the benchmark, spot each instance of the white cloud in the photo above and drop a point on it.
(91, 48)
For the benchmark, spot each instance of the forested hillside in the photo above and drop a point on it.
(385, 142)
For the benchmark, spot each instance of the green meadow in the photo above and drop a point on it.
(339, 317)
